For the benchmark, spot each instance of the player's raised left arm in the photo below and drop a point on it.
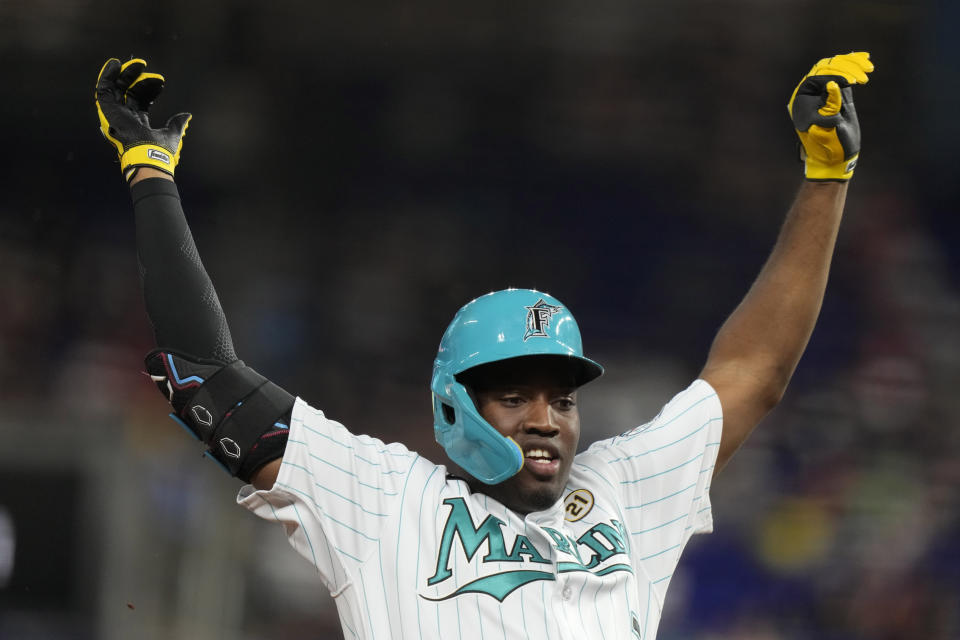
(758, 347)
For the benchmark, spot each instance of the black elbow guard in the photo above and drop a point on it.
(240, 415)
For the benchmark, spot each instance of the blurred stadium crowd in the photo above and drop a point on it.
(355, 172)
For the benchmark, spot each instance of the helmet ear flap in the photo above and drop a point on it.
(449, 413)
(472, 442)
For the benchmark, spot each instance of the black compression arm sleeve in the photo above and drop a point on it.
(180, 298)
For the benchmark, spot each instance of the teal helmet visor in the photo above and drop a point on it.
(506, 324)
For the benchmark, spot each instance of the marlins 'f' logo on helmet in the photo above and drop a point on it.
(538, 319)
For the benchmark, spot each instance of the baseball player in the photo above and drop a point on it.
(520, 537)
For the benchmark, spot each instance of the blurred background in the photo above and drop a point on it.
(354, 172)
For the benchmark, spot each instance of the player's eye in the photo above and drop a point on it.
(511, 400)
(565, 403)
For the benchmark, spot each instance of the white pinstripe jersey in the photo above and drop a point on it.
(408, 552)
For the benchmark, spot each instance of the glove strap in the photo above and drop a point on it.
(834, 173)
(146, 155)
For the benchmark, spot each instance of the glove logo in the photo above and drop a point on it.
(538, 319)
(153, 154)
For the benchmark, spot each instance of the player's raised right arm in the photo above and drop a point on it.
(237, 413)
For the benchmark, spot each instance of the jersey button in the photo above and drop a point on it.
(567, 592)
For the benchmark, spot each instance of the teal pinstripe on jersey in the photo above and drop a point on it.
(411, 553)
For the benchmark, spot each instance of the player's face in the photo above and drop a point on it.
(538, 409)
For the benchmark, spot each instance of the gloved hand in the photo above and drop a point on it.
(824, 116)
(123, 96)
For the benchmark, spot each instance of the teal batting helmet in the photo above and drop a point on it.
(506, 324)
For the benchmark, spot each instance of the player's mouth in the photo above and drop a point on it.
(541, 462)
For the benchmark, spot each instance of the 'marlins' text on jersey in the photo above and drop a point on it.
(596, 551)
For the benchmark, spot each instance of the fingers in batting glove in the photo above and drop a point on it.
(825, 118)
(123, 95)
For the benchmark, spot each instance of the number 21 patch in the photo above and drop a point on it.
(577, 504)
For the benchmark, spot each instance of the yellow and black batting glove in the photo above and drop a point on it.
(824, 116)
(123, 95)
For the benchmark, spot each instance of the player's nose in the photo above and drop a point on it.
(539, 418)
